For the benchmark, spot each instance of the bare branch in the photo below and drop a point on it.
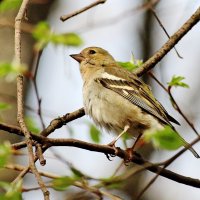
(176, 107)
(21, 168)
(18, 21)
(174, 39)
(161, 25)
(175, 104)
(20, 118)
(54, 124)
(109, 150)
(66, 17)
(123, 154)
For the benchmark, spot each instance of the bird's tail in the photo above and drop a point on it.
(189, 147)
(194, 152)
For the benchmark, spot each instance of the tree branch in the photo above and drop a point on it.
(18, 21)
(174, 39)
(54, 124)
(20, 119)
(121, 153)
(66, 17)
(107, 150)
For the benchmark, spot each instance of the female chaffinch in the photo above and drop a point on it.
(117, 99)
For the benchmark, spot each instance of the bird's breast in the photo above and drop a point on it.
(111, 111)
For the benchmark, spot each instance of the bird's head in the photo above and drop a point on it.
(95, 56)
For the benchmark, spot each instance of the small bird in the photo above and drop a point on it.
(117, 99)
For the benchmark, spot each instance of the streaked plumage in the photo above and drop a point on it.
(116, 98)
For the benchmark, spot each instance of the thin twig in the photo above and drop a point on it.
(21, 168)
(176, 106)
(160, 23)
(121, 164)
(148, 185)
(39, 112)
(169, 161)
(20, 119)
(128, 173)
(54, 124)
(174, 39)
(37, 57)
(26, 170)
(122, 154)
(116, 19)
(39, 100)
(66, 17)
(39, 154)
(157, 81)
(165, 165)
(34, 188)
(109, 150)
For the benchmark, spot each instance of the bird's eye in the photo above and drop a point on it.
(92, 51)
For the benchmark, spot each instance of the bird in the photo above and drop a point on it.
(117, 99)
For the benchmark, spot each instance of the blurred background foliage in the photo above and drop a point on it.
(131, 33)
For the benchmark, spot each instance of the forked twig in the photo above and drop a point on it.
(20, 119)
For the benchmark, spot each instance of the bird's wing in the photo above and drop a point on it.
(137, 92)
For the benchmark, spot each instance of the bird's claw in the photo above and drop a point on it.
(108, 156)
(129, 156)
(116, 149)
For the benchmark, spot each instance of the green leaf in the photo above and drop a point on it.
(77, 172)
(42, 31)
(132, 64)
(5, 68)
(69, 39)
(95, 134)
(165, 138)
(6, 5)
(13, 191)
(112, 182)
(127, 65)
(177, 82)
(5, 152)
(116, 186)
(31, 124)
(43, 34)
(4, 106)
(64, 182)
(11, 70)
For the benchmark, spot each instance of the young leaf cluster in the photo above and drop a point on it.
(44, 35)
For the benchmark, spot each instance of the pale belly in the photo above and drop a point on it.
(111, 111)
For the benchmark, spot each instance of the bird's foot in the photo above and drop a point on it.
(116, 149)
(129, 156)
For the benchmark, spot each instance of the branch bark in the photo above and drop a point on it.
(66, 17)
(18, 21)
(20, 119)
(137, 159)
(173, 40)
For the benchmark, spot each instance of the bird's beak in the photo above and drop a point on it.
(78, 57)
